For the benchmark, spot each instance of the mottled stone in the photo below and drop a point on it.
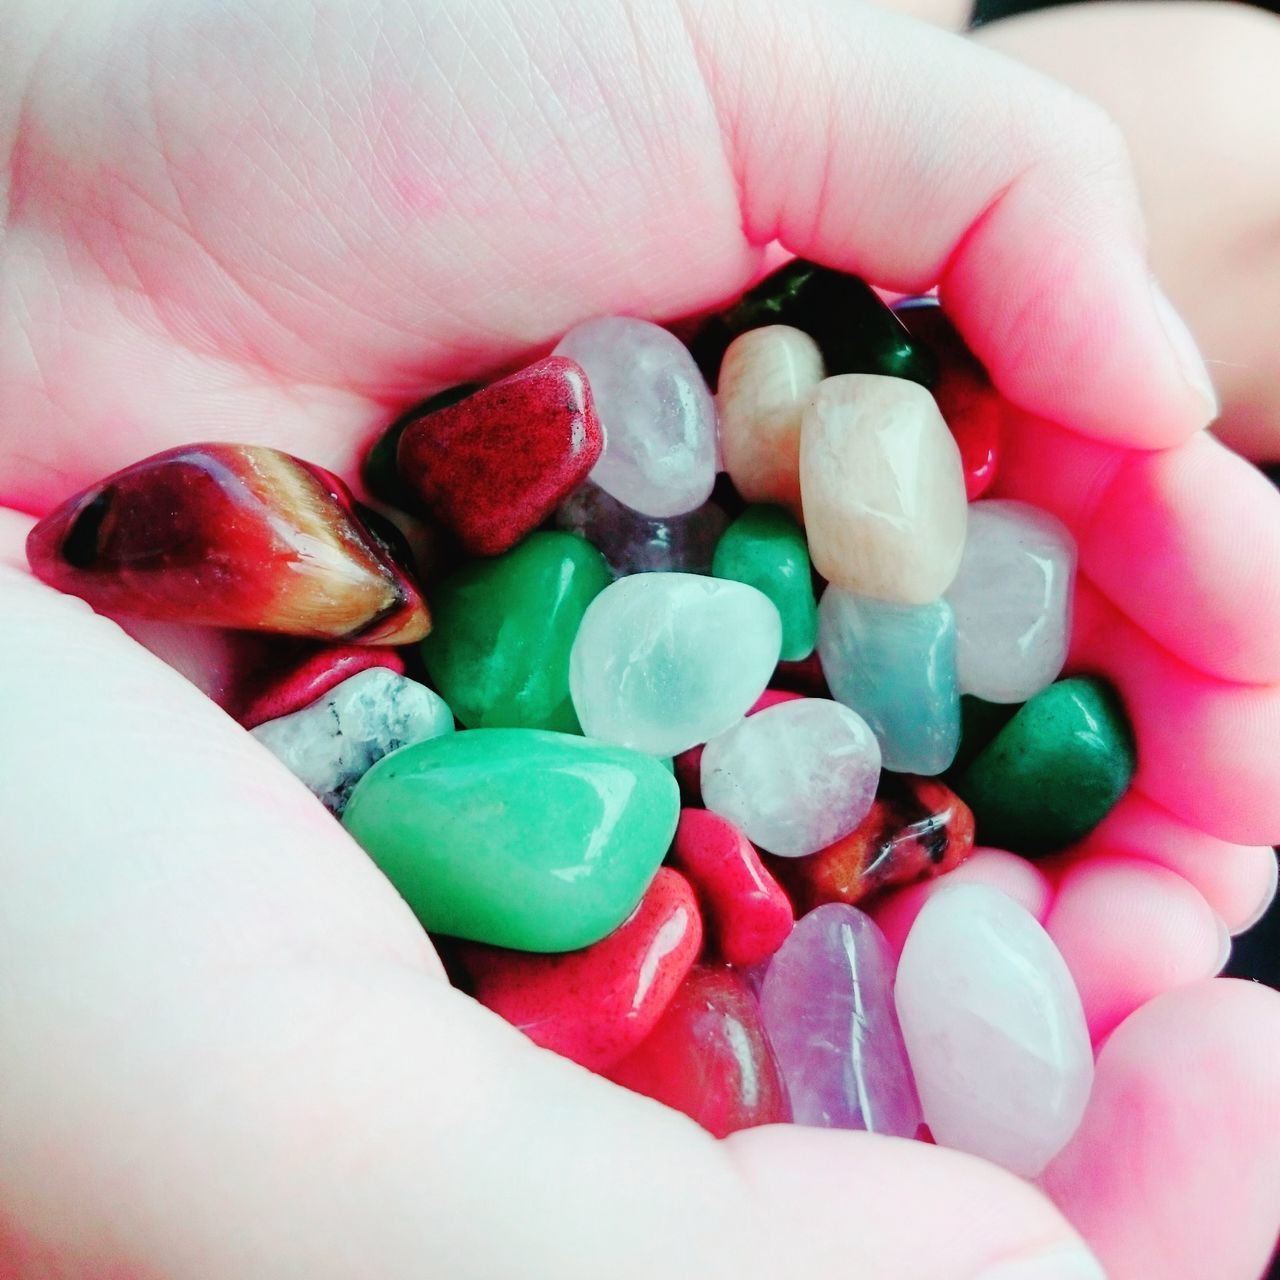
(658, 415)
(493, 466)
(827, 1006)
(663, 661)
(883, 490)
(331, 744)
(379, 472)
(597, 1004)
(895, 665)
(285, 692)
(1012, 600)
(994, 1029)
(518, 837)
(795, 777)
(229, 535)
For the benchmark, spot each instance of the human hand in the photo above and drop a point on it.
(228, 1048)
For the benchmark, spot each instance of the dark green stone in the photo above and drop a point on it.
(1054, 771)
(379, 472)
(980, 721)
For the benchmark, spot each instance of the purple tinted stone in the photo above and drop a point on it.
(827, 1005)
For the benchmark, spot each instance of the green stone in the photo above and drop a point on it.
(980, 721)
(499, 648)
(517, 837)
(1054, 771)
(856, 331)
(379, 472)
(765, 548)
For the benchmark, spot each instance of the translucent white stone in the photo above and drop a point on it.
(658, 415)
(1012, 600)
(994, 1029)
(664, 661)
(331, 744)
(895, 665)
(795, 777)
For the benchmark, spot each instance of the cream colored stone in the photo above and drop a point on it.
(767, 378)
(882, 488)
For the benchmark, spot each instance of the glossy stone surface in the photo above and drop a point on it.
(766, 379)
(663, 661)
(917, 829)
(994, 1029)
(285, 692)
(331, 744)
(493, 466)
(1012, 600)
(688, 764)
(229, 535)
(635, 543)
(708, 1057)
(379, 471)
(765, 548)
(795, 777)
(518, 837)
(883, 489)
(499, 652)
(597, 1004)
(895, 665)
(1054, 771)
(827, 1006)
(658, 415)
(748, 915)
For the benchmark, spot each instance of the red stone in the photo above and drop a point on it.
(494, 466)
(597, 1004)
(804, 677)
(688, 764)
(709, 1057)
(229, 535)
(750, 913)
(313, 677)
(918, 828)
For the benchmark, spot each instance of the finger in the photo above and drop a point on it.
(1175, 1172)
(1017, 198)
(1197, 517)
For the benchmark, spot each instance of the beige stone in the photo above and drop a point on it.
(882, 488)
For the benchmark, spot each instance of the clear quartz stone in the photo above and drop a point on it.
(1012, 600)
(659, 417)
(331, 744)
(795, 777)
(994, 1029)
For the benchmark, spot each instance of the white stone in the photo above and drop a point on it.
(658, 415)
(1012, 600)
(331, 744)
(664, 661)
(994, 1029)
(795, 777)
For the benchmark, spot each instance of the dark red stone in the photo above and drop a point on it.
(804, 677)
(494, 466)
(917, 829)
(233, 536)
(709, 1057)
(597, 1004)
(746, 907)
(688, 764)
(312, 678)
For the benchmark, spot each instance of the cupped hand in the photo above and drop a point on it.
(228, 1050)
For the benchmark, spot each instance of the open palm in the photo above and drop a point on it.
(228, 1049)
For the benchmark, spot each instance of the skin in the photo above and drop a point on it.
(228, 1050)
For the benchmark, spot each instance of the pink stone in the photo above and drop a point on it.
(311, 678)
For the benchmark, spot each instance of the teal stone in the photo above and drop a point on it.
(378, 471)
(765, 548)
(1054, 771)
(520, 838)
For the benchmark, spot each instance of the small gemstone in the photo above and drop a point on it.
(313, 677)
(379, 472)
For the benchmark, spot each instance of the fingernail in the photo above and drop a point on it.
(1067, 1262)
(1267, 898)
(1224, 945)
(1185, 350)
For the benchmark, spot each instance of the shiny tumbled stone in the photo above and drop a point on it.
(284, 692)
(493, 466)
(522, 838)
(499, 652)
(657, 413)
(994, 1029)
(883, 492)
(895, 665)
(827, 1006)
(379, 472)
(229, 535)
(765, 548)
(1054, 771)
(663, 661)
(980, 721)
